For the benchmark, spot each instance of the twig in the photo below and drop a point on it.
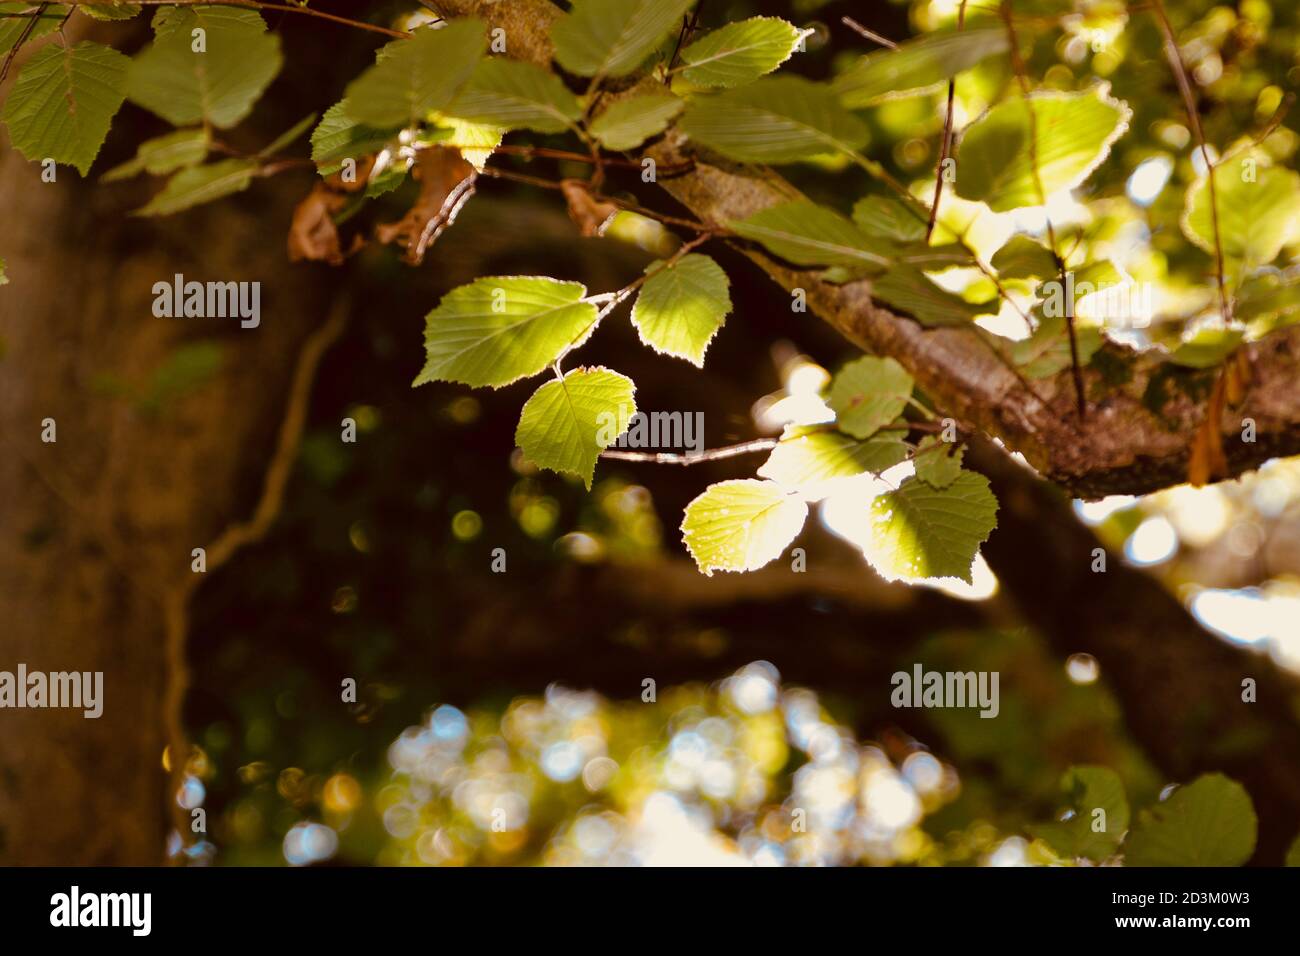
(235, 536)
(22, 38)
(688, 27)
(1189, 101)
(871, 35)
(1022, 78)
(256, 5)
(946, 143)
(710, 454)
(496, 172)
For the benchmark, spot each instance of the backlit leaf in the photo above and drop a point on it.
(499, 329)
(568, 422)
(922, 532)
(917, 66)
(1256, 218)
(741, 525)
(869, 393)
(813, 458)
(1024, 258)
(938, 462)
(681, 308)
(1073, 133)
(740, 52)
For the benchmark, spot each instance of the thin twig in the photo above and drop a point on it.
(871, 35)
(22, 38)
(496, 172)
(694, 458)
(688, 27)
(1022, 78)
(256, 5)
(1175, 58)
(946, 143)
(234, 537)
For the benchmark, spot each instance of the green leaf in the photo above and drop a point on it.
(338, 136)
(807, 234)
(200, 184)
(63, 102)
(1207, 347)
(12, 25)
(922, 532)
(1024, 258)
(908, 289)
(1073, 134)
(499, 329)
(613, 37)
(680, 308)
(219, 85)
(386, 177)
(1047, 350)
(778, 119)
(814, 458)
(110, 11)
(938, 462)
(740, 52)
(4, 277)
(1089, 789)
(630, 122)
(1208, 822)
(164, 154)
(515, 95)
(475, 141)
(917, 66)
(1255, 218)
(741, 525)
(1267, 302)
(888, 218)
(417, 76)
(869, 393)
(568, 422)
(1293, 854)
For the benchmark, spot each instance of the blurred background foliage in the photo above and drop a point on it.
(501, 718)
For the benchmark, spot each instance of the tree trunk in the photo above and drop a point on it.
(95, 532)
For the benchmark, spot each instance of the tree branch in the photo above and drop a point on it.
(1145, 411)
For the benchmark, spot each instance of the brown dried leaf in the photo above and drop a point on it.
(590, 214)
(1237, 370)
(446, 182)
(312, 233)
(1206, 461)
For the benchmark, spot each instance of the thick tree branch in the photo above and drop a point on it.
(1143, 412)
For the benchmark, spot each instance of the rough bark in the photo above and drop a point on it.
(1142, 415)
